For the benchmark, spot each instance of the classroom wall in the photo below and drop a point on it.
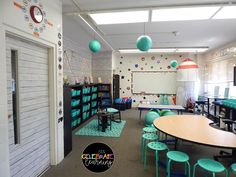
(102, 66)
(218, 69)
(14, 21)
(124, 64)
(77, 62)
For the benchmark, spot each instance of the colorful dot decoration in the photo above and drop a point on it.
(151, 67)
(153, 58)
(136, 65)
(129, 69)
(141, 68)
(158, 61)
(143, 58)
(122, 77)
(128, 88)
(121, 56)
(168, 67)
(121, 62)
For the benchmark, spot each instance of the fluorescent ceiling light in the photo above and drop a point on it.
(191, 50)
(227, 12)
(181, 14)
(167, 50)
(120, 17)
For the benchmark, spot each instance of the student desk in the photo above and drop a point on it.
(142, 107)
(196, 129)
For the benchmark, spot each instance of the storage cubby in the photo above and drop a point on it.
(104, 95)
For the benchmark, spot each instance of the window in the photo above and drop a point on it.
(15, 95)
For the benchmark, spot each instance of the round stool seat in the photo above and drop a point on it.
(233, 167)
(211, 165)
(157, 146)
(177, 156)
(150, 136)
(112, 110)
(149, 130)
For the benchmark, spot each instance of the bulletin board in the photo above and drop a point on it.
(153, 82)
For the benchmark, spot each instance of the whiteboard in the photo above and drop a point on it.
(159, 82)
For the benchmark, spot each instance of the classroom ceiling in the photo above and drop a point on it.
(199, 33)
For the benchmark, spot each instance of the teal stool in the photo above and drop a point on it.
(156, 146)
(179, 157)
(233, 168)
(147, 137)
(149, 130)
(210, 165)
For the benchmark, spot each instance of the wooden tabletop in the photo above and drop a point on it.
(195, 129)
(156, 106)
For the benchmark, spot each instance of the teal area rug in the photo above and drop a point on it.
(91, 129)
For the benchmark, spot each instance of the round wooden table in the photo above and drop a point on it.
(196, 129)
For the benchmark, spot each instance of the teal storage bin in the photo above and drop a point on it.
(74, 123)
(87, 115)
(79, 121)
(84, 115)
(94, 104)
(94, 89)
(73, 92)
(73, 113)
(78, 92)
(94, 96)
(75, 103)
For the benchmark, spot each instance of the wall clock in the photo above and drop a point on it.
(34, 15)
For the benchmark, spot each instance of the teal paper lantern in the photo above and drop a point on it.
(144, 43)
(94, 46)
(174, 63)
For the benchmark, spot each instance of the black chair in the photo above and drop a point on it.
(110, 108)
(104, 120)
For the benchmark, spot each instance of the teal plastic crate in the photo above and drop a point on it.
(84, 115)
(94, 104)
(73, 92)
(79, 121)
(230, 103)
(74, 123)
(94, 89)
(94, 96)
(73, 113)
(75, 103)
(78, 92)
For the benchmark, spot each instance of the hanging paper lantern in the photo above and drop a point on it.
(144, 43)
(94, 46)
(174, 63)
(187, 71)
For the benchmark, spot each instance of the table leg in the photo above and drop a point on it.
(208, 107)
(104, 123)
(214, 109)
(234, 155)
(140, 114)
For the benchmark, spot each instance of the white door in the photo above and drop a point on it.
(31, 155)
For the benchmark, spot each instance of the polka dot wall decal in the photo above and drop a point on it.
(143, 58)
(151, 67)
(128, 80)
(158, 61)
(166, 58)
(153, 58)
(180, 56)
(128, 88)
(161, 55)
(134, 101)
(121, 62)
(136, 65)
(168, 67)
(129, 69)
(160, 67)
(120, 71)
(142, 68)
(145, 63)
(144, 97)
(123, 92)
(121, 57)
(122, 77)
